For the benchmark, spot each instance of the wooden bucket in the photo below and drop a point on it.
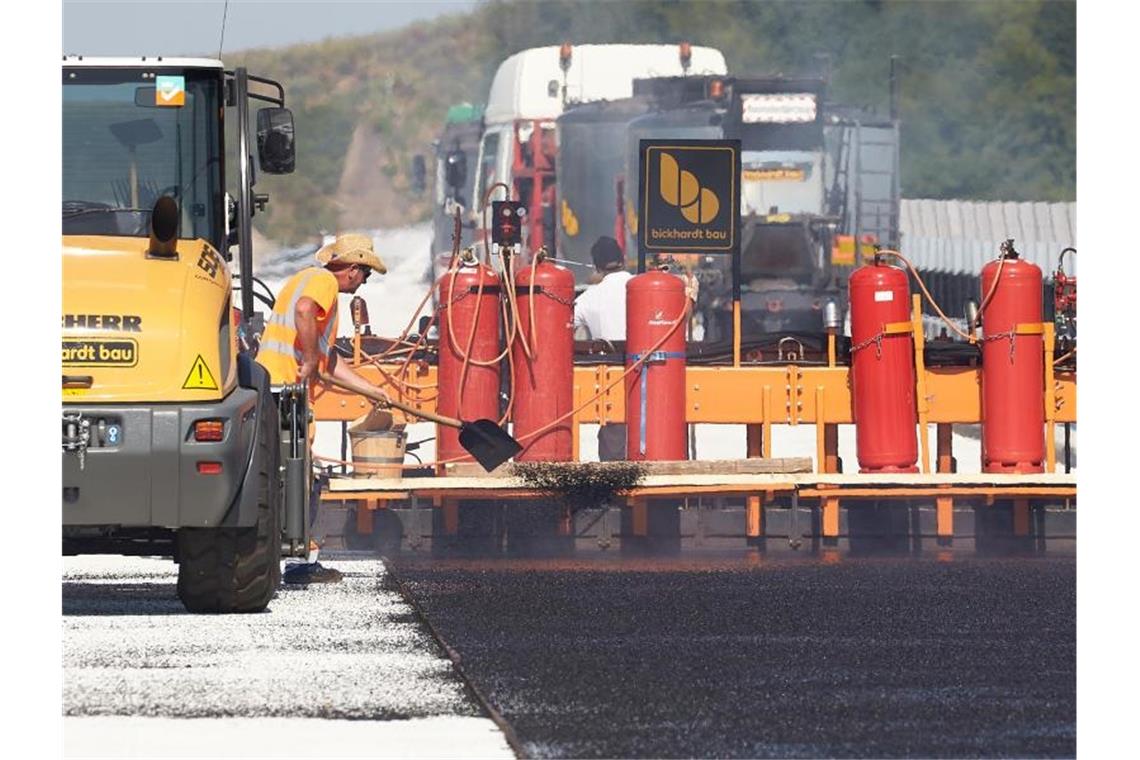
(381, 450)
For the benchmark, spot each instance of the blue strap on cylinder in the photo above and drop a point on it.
(656, 356)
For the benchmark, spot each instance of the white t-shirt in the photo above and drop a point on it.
(601, 307)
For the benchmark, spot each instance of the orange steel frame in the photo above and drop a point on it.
(762, 396)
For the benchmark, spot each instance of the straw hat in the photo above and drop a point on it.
(351, 248)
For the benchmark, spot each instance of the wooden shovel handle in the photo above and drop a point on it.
(432, 416)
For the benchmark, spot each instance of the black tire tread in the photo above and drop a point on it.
(228, 570)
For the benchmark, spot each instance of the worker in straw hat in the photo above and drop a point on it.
(300, 334)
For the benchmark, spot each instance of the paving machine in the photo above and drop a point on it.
(174, 444)
(819, 186)
(530, 89)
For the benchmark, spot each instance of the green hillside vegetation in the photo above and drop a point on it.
(988, 89)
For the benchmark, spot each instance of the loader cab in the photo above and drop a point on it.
(132, 134)
(139, 129)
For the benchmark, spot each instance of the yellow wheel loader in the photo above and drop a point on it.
(174, 444)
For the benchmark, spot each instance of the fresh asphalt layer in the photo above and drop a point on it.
(348, 669)
(740, 656)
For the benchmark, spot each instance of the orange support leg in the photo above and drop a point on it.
(754, 516)
(944, 516)
(944, 505)
(831, 448)
(565, 523)
(754, 503)
(364, 509)
(945, 447)
(830, 505)
(640, 517)
(1021, 517)
(450, 517)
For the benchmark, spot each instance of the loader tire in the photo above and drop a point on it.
(224, 570)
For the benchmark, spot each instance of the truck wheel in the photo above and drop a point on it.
(238, 569)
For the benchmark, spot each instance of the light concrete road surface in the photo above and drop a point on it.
(334, 670)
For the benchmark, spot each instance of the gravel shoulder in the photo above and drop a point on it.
(351, 658)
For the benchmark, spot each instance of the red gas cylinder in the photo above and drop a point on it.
(1013, 366)
(544, 381)
(655, 393)
(468, 327)
(882, 369)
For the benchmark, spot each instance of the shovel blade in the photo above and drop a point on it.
(488, 443)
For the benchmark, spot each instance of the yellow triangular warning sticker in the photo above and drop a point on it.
(200, 377)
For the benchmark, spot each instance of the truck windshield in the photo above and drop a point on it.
(132, 135)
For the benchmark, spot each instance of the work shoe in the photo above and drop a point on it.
(304, 573)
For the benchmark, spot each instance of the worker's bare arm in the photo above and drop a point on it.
(344, 374)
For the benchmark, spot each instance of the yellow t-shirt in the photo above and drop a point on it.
(280, 351)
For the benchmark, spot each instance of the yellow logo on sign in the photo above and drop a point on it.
(699, 205)
(569, 221)
(200, 377)
(773, 175)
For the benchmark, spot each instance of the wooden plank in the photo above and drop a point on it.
(992, 491)
(751, 466)
(940, 478)
(686, 467)
(759, 480)
(475, 470)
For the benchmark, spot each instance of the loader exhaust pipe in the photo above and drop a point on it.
(164, 228)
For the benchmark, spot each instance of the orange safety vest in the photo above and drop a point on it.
(280, 351)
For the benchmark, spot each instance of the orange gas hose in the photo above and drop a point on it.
(925, 292)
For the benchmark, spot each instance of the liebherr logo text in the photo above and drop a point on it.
(112, 322)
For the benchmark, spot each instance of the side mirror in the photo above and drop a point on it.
(276, 151)
(455, 169)
(419, 174)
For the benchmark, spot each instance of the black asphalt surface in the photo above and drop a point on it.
(738, 656)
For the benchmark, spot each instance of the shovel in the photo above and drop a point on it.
(483, 439)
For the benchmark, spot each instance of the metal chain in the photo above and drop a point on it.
(1012, 334)
(557, 298)
(456, 299)
(876, 339)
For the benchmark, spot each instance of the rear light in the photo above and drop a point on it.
(209, 430)
(209, 468)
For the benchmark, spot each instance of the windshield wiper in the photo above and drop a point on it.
(78, 208)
